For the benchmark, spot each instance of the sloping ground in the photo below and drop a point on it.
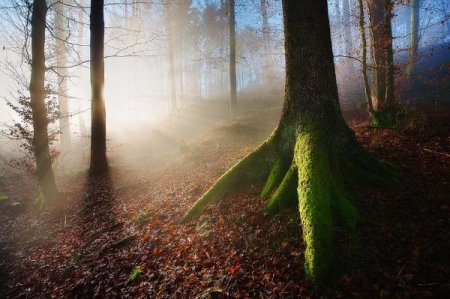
(109, 228)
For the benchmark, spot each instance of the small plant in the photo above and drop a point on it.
(135, 273)
(3, 197)
(140, 218)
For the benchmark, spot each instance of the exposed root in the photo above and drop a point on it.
(275, 177)
(314, 196)
(254, 167)
(286, 193)
(320, 169)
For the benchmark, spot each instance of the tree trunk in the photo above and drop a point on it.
(376, 18)
(268, 63)
(364, 57)
(172, 79)
(414, 36)
(44, 171)
(61, 63)
(312, 155)
(233, 91)
(389, 97)
(99, 163)
(348, 33)
(380, 16)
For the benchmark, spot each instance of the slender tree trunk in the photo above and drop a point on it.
(61, 63)
(81, 121)
(99, 163)
(233, 91)
(390, 88)
(348, 33)
(364, 57)
(170, 42)
(414, 36)
(44, 171)
(376, 18)
(268, 64)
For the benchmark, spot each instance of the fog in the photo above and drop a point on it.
(138, 89)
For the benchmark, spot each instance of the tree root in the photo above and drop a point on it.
(254, 167)
(320, 169)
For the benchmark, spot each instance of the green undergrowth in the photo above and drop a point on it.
(135, 273)
(3, 197)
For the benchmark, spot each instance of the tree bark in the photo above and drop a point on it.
(362, 30)
(268, 63)
(44, 171)
(389, 94)
(61, 63)
(383, 98)
(376, 19)
(233, 91)
(348, 32)
(99, 163)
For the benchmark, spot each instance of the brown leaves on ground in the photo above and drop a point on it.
(233, 249)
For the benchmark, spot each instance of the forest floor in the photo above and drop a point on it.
(119, 236)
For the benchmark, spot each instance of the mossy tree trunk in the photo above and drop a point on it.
(312, 156)
(99, 163)
(44, 171)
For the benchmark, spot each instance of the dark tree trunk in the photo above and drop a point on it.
(44, 171)
(61, 63)
(99, 163)
(233, 91)
(383, 98)
(312, 156)
(389, 94)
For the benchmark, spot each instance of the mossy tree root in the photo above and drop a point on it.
(252, 168)
(320, 168)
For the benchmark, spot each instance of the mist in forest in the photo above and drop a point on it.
(167, 66)
(224, 148)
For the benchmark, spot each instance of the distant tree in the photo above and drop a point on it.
(362, 30)
(61, 64)
(383, 99)
(414, 36)
(168, 16)
(268, 65)
(44, 171)
(312, 156)
(99, 163)
(233, 90)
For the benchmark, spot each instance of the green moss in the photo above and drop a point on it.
(135, 273)
(252, 168)
(322, 166)
(314, 196)
(286, 193)
(3, 197)
(275, 177)
(383, 119)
